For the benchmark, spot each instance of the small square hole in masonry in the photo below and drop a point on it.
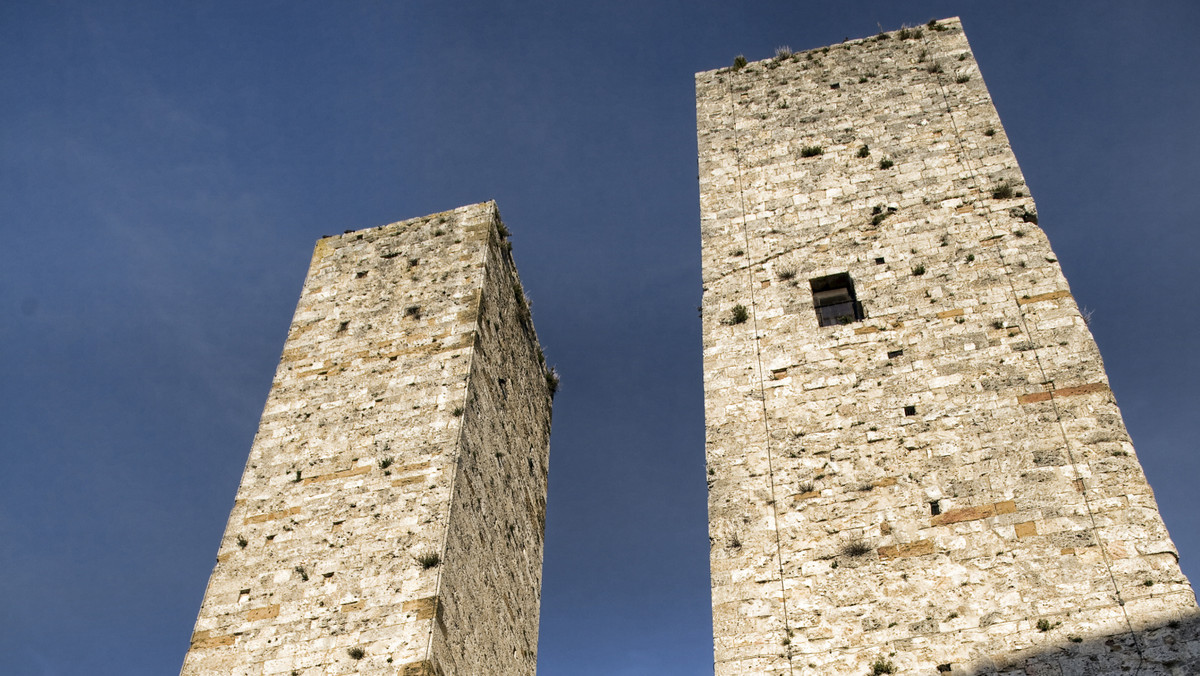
(895, 353)
(910, 410)
(934, 508)
(879, 261)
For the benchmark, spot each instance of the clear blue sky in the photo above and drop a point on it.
(165, 169)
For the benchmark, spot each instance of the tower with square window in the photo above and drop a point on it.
(915, 461)
(391, 514)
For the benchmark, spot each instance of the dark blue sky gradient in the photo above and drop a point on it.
(165, 170)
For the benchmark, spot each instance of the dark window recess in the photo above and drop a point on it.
(945, 668)
(834, 300)
(878, 261)
(910, 410)
(934, 509)
(895, 353)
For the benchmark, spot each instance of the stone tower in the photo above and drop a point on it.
(391, 514)
(915, 462)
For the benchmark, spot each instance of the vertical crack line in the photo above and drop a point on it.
(974, 175)
(737, 154)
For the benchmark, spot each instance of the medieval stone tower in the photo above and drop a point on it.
(915, 462)
(391, 514)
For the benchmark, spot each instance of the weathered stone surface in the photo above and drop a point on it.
(945, 484)
(394, 498)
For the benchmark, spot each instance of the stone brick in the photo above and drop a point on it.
(919, 548)
(264, 613)
(204, 639)
(272, 516)
(973, 513)
(424, 608)
(1053, 295)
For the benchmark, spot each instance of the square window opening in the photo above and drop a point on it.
(835, 301)
(910, 410)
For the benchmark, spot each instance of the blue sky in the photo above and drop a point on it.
(165, 170)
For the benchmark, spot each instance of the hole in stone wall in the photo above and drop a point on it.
(360, 274)
(835, 301)
(895, 353)
(910, 410)
(879, 261)
(934, 508)
(945, 668)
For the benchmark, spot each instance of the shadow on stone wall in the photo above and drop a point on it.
(1169, 648)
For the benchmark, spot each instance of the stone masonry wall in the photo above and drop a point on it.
(945, 486)
(336, 552)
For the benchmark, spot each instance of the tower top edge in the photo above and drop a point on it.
(479, 210)
(951, 22)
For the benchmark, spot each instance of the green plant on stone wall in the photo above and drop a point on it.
(811, 151)
(882, 666)
(739, 314)
(885, 163)
(856, 548)
(739, 62)
(864, 150)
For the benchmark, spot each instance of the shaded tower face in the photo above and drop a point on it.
(391, 514)
(915, 461)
